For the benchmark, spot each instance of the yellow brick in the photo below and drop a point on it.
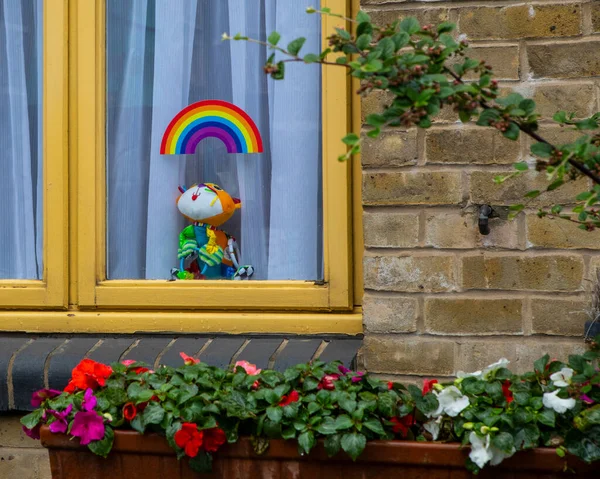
(410, 273)
(563, 317)
(392, 148)
(520, 21)
(559, 233)
(391, 229)
(423, 15)
(390, 314)
(564, 60)
(412, 188)
(473, 316)
(504, 60)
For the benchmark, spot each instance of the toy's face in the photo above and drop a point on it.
(207, 203)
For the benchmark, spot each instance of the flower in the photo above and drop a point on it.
(343, 369)
(502, 363)
(189, 439)
(88, 426)
(433, 427)
(482, 451)
(188, 360)
(562, 378)
(401, 424)
(390, 385)
(451, 402)
(288, 399)
(60, 424)
(552, 401)
(213, 439)
(38, 397)
(88, 374)
(428, 385)
(89, 400)
(251, 369)
(508, 395)
(586, 399)
(128, 362)
(129, 411)
(34, 432)
(328, 382)
(358, 377)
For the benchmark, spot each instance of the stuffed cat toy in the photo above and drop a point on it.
(205, 251)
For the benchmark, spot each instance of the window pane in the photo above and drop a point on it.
(163, 55)
(21, 181)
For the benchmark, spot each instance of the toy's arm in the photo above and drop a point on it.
(187, 242)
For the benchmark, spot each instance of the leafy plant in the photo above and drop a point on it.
(198, 408)
(426, 69)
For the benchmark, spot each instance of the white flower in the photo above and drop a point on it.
(451, 402)
(433, 427)
(483, 451)
(463, 375)
(502, 363)
(552, 401)
(225, 36)
(562, 378)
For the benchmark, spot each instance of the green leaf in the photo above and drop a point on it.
(560, 117)
(532, 194)
(139, 394)
(343, 422)
(555, 185)
(528, 106)
(363, 41)
(280, 73)
(512, 132)
(347, 404)
(295, 46)
(512, 99)
(547, 417)
(274, 38)
(362, 17)
(543, 150)
(333, 444)
(410, 25)
(327, 427)
(186, 392)
(374, 425)
(540, 364)
(350, 139)
(311, 58)
(375, 120)
(445, 27)
(153, 414)
(504, 441)
(275, 413)
(103, 446)
(32, 419)
(344, 35)
(306, 441)
(288, 433)
(202, 463)
(354, 444)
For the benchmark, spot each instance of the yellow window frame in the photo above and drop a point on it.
(89, 287)
(50, 291)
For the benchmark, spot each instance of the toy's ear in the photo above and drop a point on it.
(237, 203)
(181, 189)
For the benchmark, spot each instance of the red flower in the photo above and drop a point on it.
(289, 398)
(390, 385)
(402, 424)
(129, 411)
(213, 439)
(328, 382)
(189, 439)
(143, 405)
(508, 395)
(88, 374)
(428, 385)
(188, 360)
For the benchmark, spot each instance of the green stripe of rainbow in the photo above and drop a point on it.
(211, 118)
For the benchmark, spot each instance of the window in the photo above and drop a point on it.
(111, 197)
(32, 153)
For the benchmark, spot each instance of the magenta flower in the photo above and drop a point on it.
(358, 377)
(38, 397)
(89, 400)
(60, 424)
(586, 399)
(33, 433)
(88, 427)
(343, 369)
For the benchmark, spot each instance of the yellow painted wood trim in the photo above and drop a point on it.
(185, 322)
(92, 288)
(51, 291)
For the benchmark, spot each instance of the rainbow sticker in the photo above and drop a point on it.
(211, 119)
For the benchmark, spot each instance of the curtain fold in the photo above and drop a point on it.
(164, 55)
(21, 215)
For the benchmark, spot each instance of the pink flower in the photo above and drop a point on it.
(89, 400)
(34, 432)
(251, 369)
(128, 362)
(40, 396)
(586, 399)
(188, 360)
(60, 424)
(343, 369)
(358, 377)
(328, 382)
(88, 426)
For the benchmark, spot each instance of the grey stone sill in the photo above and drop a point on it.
(32, 362)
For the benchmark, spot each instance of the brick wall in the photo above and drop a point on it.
(20, 456)
(439, 297)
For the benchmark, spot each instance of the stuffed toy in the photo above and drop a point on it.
(205, 251)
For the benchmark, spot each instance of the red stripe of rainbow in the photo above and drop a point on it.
(211, 118)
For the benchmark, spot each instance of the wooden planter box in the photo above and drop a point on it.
(148, 457)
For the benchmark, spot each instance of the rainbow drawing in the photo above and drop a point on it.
(211, 119)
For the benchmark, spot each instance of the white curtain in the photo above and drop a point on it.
(163, 55)
(21, 214)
